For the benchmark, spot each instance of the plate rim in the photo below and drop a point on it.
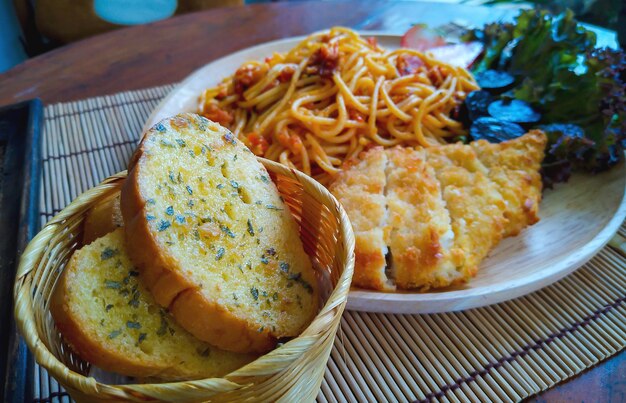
(497, 293)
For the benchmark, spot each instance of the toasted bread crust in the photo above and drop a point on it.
(109, 319)
(202, 318)
(102, 218)
(199, 311)
(215, 320)
(164, 283)
(82, 341)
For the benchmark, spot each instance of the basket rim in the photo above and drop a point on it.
(25, 315)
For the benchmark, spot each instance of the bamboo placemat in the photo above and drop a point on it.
(504, 352)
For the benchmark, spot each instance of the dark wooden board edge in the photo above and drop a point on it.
(19, 220)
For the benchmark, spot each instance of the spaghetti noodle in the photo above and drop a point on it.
(334, 95)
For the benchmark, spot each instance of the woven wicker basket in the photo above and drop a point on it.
(291, 372)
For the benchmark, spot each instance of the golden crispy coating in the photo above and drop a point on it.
(422, 242)
(364, 182)
(439, 210)
(360, 188)
(514, 167)
(475, 205)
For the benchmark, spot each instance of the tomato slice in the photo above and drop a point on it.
(424, 39)
(461, 54)
(421, 38)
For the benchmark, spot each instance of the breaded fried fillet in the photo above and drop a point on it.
(422, 246)
(514, 167)
(439, 210)
(394, 202)
(475, 205)
(360, 188)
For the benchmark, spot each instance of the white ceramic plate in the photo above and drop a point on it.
(577, 218)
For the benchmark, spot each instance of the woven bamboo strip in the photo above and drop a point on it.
(287, 372)
(502, 353)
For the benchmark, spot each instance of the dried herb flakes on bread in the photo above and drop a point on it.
(213, 239)
(111, 320)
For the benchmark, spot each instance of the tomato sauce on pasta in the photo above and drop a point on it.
(334, 95)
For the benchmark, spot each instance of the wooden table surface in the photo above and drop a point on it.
(167, 51)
